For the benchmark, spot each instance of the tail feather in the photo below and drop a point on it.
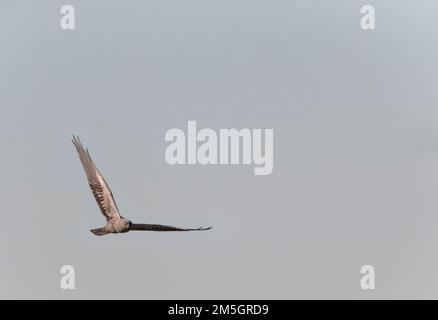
(99, 231)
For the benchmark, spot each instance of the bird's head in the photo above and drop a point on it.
(127, 223)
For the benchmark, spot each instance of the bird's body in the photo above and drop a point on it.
(115, 223)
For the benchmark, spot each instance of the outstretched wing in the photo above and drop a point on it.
(159, 227)
(97, 183)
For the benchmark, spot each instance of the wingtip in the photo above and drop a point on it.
(75, 139)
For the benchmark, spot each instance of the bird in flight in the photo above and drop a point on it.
(115, 223)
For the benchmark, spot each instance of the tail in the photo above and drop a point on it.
(99, 231)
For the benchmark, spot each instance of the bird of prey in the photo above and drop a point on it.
(115, 223)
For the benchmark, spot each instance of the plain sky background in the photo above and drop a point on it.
(355, 177)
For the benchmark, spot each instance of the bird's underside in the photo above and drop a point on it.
(105, 200)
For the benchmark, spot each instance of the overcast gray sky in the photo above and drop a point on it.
(355, 177)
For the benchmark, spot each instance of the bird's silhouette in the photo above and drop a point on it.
(115, 223)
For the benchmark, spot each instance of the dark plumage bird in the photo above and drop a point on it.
(115, 223)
